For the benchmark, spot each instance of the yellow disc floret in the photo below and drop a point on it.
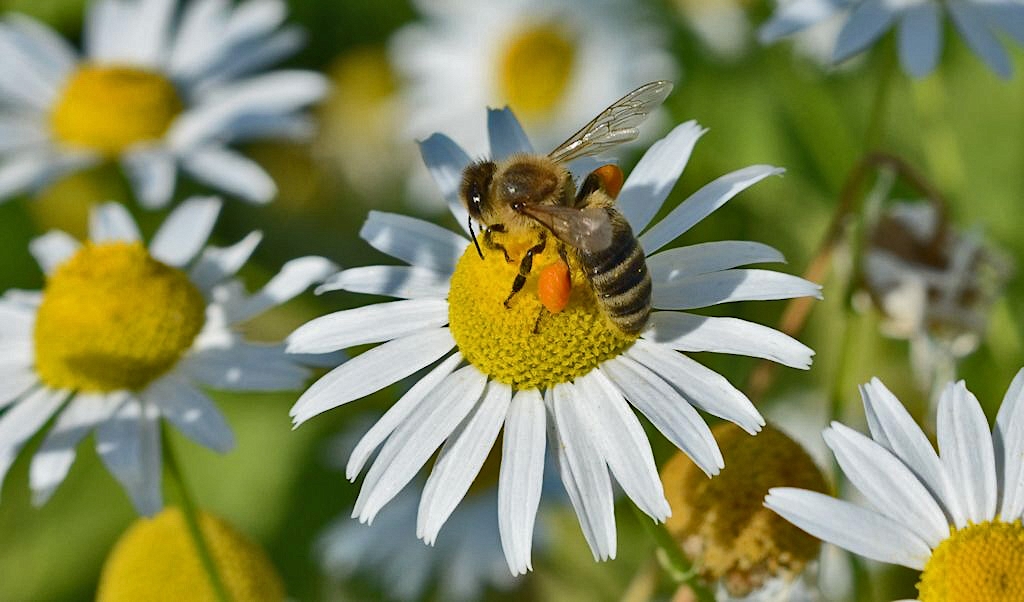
(156, 560)
(107, 109)
(523, 345)
(722, 523)
(112, 318)
(979, 563)
(535, 69)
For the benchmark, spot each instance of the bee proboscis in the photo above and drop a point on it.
(535, 194)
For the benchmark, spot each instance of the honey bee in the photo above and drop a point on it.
(528, 194)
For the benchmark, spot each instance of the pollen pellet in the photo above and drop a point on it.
(611, 179)
(554, 286)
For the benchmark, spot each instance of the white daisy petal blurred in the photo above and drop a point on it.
(912, 492)
(1008, 440)
(179, 85)
(568, 371)
(919, 23)
(126, 329)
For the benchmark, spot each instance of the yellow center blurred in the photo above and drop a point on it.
(156, 560)
(107, 109)
(520, 345)
(535, 69)
(979, 563)
(114, 318)
(722, 522)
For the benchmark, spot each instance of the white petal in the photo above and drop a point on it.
(216, 264)
(730, 286)
(702, 203)
(235, 365)
(417, 438)
(656, 174)
(198, 36)
(111, 221)
(920, 39)
(52, 249)
(1006, 16)
(414, 241)
(1008, 441)
(521, 477)
(50, 47)
(965, 448)
(274, 93)
(624, 444)
(371, 371)
(295, 277)
(368, 324)
(28, 68)
(191, 411)
(19, 423)
(15, 382)
(850, 527)
(669, 412)
(794, 16)
(57, 453)
(129, 445)
(185, 231)
(893, 428)
(584, 473)
(688, 332)
(105, 22)
(979, 37)
(460, 460)
(255, 18)
(445, 161)
(257, 54)
(147, 38)
(403, 282)
(24, 172)
(887, 483)
(397, 415)
(701, 386)
(673, 264)
(506, 135)
(20, 132)
(230, 172)
(152, 172)
(868, 21)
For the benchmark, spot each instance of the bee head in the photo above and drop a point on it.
(476, 184)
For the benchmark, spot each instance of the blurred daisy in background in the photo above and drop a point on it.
(933, 284)
(567, 378)
(124, 335)
(722, 26)
(154, 90)
(955, 515)
(464, 563)
(919, 27)
(742, 549)
(552, 62)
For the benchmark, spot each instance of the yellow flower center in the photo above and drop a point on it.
(535, 68)
(722, 522)
(107, 109)
(983, 563)
(112, 318)
(520, 345)
(156, 560)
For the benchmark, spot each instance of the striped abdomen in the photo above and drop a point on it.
(618, 275)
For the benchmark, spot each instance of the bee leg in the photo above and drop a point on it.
(490, 243)
(592, 183)
(525, 266)
(540, 315)
(565, 257)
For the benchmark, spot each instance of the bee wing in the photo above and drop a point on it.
(615, 125)
(588, 230)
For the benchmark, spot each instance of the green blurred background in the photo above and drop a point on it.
(962, 127)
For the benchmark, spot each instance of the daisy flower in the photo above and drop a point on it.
(124, 335)
(919, 23)
(153, 90)
(490, 369)
(954, 515)
(934, 284)
(552, 61)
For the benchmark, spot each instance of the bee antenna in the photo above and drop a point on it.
(469, 221)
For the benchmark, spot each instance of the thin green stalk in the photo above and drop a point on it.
(671, 558)
(188, 508)
(880, 102)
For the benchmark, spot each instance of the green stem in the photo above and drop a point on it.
(188, 508)
(671, 558)
(880, 103)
